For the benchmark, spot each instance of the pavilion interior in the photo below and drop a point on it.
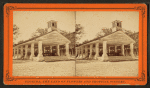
(53, 44)
(117, 44)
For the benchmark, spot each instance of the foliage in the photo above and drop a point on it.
(85, 41)
(15, 31)
(103, 32)
(128, 32)
(71, 37)
(39, 32)
(79, 32)
(20, 41)
(135, 37)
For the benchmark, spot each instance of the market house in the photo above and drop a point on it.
(103, 47)
(52, 45)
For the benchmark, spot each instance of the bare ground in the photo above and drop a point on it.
(98, 68)
(32, 68)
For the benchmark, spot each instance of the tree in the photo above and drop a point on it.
(135, 37)
(63, 32)
(103, 32)
(39, 32)
(79, 32)
(85, 41)
(21, 41)
(15, 31)
(128, 32)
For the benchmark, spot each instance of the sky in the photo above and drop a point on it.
(91, 21)
(29, 21)
(94, 21)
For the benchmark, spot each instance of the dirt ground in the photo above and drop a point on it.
(32, 68)
(98, 68)
(67, 68)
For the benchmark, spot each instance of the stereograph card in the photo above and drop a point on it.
(75, 44)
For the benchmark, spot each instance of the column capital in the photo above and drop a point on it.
(66, 43)
(104, 41)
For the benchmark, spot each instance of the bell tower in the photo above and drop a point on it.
(116, 25)
(52, 25)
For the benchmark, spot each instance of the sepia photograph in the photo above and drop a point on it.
(109, 46)
(43, 43)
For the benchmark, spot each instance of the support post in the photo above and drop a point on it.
(17, 52)
(131, 50)
(104, 56)
(58, 51)
(76, 50)
(14, 56)
(72, 52)
(21, 51)
(109, 50)
(81, 51)
(115, 49)
(51, 50)
(67, 49)
(122, 49)
(32, 51)
(91, 46)
(26, 52)
(40, 56)
(96, 50)
(86, 51)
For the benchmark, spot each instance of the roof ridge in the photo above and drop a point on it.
(32, 38)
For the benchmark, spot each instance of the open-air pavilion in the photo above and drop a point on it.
(39, 47)
(52, 45)
(103, 47)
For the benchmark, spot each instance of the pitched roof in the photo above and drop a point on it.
(33, 39)
(98, 38)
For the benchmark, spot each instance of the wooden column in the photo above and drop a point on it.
(21, 51)
(104, 56)
(58, 51)
(17, 52)
(40, 55)
(14, 53)
(82, 51)
(131, 50)
(40, 48)
(26, 52)
(51, 49)
(91, 46)
(86, 51)
(67, 49)
(32, 51)
(122, 49)
(96, 50)
(115, 49)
